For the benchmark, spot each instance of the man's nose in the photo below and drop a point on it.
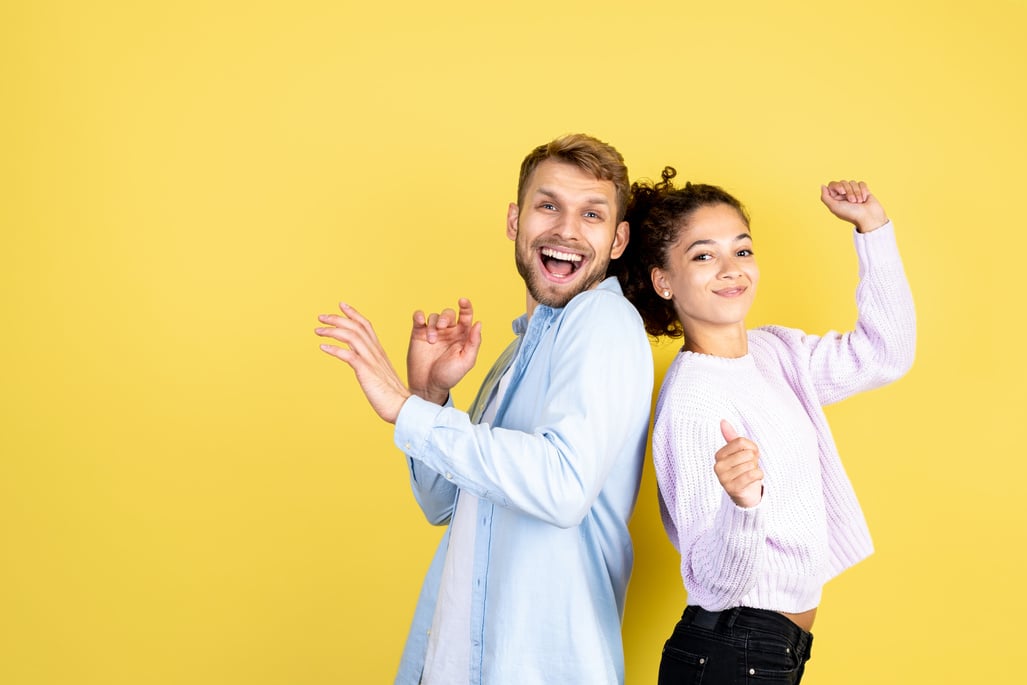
(566, 226)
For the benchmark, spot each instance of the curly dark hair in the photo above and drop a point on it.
(658, 213)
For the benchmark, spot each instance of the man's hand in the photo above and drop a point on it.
(851, 201)
(443, 348)
(737, 467)
(379, 381)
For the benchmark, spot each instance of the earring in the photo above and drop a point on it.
(666, 294)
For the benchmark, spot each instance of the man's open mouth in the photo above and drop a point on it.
(559, 263)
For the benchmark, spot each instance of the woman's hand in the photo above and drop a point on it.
(852, 201)
(738, 469)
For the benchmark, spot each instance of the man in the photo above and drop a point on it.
(537, 482)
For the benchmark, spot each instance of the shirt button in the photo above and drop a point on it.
(406, 445)
(449, 476)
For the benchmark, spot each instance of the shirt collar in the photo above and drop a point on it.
(520, 324)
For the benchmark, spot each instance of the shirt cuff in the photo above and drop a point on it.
(416, 419)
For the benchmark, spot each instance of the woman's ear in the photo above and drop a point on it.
(660, 283)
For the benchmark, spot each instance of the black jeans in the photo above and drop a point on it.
(734, 646)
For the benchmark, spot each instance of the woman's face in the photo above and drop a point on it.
(711, 271)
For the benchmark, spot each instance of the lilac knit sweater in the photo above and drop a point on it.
(809, 527)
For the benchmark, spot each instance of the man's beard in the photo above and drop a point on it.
(537, 284)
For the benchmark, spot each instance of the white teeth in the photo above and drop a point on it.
(565, 256)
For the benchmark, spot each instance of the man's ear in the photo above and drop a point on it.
(512, 212)
(620, 239)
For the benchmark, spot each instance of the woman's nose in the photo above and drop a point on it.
(729, 268)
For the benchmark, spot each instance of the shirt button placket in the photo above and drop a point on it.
(481, 569)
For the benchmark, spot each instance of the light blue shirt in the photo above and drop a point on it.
(557, 475)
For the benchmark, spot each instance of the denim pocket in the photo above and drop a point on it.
(680, 667)
(770, 659)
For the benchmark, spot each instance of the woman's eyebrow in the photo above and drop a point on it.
(707, 241)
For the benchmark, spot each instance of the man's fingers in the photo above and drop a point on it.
(435, 323)
(331, 319)
(355, 361)
(340, 352)
(432, 332)
(445, 319)
(466, 311)
(348, 335)
(352, 319)
(474, 341)
(355, 332)
(353, 314)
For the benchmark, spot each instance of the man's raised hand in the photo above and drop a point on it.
(378, 379)
(443, 348)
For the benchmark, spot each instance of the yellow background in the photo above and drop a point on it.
(191, 492)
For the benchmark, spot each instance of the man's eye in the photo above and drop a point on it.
(592, 215)
(704, 257)
(548, 205)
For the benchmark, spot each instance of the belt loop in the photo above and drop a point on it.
(708, 620)
(732, 615)
(805, 643)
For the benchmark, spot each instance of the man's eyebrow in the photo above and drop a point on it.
(592, 200)
(740, 236)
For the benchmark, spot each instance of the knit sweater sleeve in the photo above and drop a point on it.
(721, 544)
(881, 347)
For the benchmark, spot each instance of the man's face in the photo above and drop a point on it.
(566, 232)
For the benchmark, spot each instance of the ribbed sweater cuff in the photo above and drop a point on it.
(740, 523)
(877, 247)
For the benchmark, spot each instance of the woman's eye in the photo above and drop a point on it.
(702, 257)
(744, 253)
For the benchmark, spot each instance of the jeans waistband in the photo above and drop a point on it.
(752, 619)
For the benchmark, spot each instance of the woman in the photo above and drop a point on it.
(752, 490)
